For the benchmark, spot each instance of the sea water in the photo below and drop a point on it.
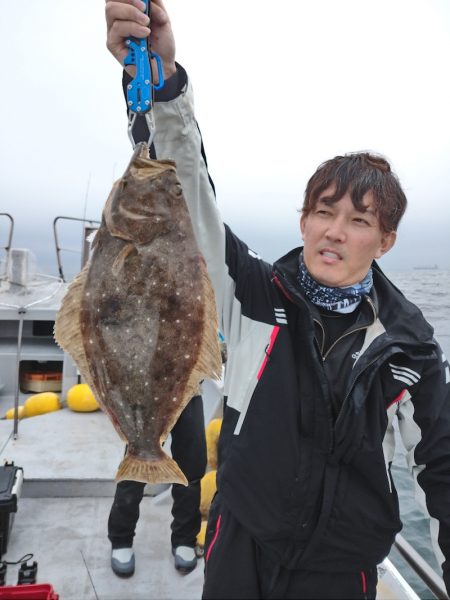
(429, 289)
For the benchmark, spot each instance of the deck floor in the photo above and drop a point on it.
(68, 539)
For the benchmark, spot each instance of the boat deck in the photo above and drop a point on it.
(67, 537)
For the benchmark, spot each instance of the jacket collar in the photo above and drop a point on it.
(403, 320)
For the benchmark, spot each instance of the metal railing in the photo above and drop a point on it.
(90, 226)
(423, 570)
(7, 248)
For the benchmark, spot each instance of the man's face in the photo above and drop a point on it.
(340, 241)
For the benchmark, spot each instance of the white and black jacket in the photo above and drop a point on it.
(314, 491)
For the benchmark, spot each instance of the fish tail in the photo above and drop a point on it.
(160, 470)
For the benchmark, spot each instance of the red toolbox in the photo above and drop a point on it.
(34, 591)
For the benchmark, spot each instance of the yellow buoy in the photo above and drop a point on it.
(81, 399)
(212, 439)
(207, 491)
(202, 534)
(42, 403)
(10, 413)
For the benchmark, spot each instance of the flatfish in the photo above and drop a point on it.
(140, 320)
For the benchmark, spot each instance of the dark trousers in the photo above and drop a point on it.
(236, 568)
(189, 450)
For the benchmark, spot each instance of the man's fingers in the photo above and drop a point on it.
(120, 30)
(159, 4)
(123, 10)
(124, 19)
(159, 13)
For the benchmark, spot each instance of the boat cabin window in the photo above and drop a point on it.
(43, 328)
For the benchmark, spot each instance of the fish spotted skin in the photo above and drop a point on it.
(145, 311)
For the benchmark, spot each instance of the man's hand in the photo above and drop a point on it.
(126, 18)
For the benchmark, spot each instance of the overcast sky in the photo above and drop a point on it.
(280, 87)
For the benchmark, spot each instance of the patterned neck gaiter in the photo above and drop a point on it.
(338, 299)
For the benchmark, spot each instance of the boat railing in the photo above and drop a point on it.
(7, 248)
(422, 569)
(90, 226)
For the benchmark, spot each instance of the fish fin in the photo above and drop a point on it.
(161, 470)
(67, 331)
(209, 362)
(121, 258)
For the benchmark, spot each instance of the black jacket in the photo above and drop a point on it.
(316, 492)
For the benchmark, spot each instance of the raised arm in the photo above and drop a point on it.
(177, 136)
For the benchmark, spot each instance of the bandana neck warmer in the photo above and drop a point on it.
(338, 299)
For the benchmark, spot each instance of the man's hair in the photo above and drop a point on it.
(358, 173)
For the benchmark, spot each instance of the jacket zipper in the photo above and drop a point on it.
(324, 356)
(351, 389)
(300, 301)
(268, 351)
(213, 541)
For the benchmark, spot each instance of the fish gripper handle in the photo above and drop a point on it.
(139, 91)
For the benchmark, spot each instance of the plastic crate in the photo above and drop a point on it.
(41, 382)
(34, 591)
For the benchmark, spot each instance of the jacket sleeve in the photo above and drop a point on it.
(424, 423)
(178, 137)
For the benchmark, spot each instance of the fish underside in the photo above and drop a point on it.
(140, 319)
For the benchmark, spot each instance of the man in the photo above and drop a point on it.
(323, 354)
(188, 446)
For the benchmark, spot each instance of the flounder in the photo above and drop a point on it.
(140, 319)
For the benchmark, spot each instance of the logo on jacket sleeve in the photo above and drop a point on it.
(280, 315)
(404, 374)
(254, 254)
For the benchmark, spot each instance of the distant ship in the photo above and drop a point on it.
(426, 267)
